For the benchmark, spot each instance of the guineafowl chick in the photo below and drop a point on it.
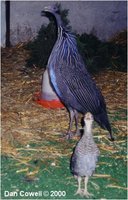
(85, 156)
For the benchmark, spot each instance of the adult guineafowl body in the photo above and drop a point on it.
(85, 156)
(70, 78)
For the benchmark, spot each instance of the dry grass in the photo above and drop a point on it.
(24, 122)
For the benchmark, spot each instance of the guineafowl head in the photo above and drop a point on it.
(52, 11)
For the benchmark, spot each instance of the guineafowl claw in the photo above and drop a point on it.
(69, 135)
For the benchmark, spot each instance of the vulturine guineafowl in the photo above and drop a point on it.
(70, 78)
(85, 156)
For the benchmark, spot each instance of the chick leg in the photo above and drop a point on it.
(85, 192)
(79, 191)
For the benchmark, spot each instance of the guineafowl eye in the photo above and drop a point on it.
(56, 9)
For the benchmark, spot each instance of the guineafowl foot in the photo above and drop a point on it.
(87, 194)
(80, 192)
(69, 135)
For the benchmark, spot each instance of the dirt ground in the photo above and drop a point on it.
(21, 116)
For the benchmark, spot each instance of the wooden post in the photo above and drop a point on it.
(7, 8)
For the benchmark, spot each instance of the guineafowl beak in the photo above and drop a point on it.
(48, 8)
(43, 13)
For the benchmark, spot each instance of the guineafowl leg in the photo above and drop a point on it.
(76, 121)
(79, 191)
(85, 192)
(72, 115)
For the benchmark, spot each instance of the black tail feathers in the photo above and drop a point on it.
(103, 121)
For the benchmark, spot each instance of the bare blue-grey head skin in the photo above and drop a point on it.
(54, 10)
(70, 78)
